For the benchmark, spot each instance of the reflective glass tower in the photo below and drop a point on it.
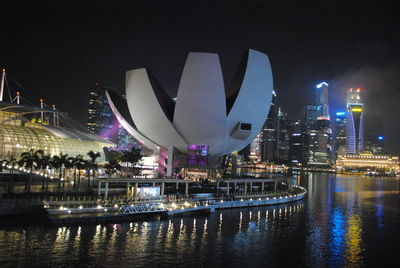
(322, 99)
(354, 121)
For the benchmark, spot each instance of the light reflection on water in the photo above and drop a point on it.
(343, 222)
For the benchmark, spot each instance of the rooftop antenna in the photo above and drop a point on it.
(41, 106)
(3, 76)
(56, 117)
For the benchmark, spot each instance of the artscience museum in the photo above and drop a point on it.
(202, 123)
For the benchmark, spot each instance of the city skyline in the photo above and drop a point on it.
(345, 45)
(202, 133)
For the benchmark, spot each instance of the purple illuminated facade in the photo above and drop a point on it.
(197, 155)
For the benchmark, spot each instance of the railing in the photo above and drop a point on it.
(142, 208)
(132, 206)
(92, 201)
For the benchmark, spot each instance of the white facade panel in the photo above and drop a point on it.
(200, 110)
(252, 102)
(147, 113)
(144, 141)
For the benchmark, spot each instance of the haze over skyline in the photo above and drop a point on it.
(57, 49)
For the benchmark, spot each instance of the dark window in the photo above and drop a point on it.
(245, 126)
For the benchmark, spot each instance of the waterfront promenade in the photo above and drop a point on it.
(115, 210)
(106, 200)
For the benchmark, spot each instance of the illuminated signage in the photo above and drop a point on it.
(323, 118)
(380, 138)
(356, 109)
(340, 113)
(148, 191)
(322, 84)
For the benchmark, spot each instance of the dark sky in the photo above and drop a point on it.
(56, 49)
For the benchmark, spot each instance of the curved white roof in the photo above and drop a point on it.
(202, 115)
(252, 102)
(129, 126)
(149, 116)
(200, 110)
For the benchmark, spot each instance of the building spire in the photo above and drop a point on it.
(3, 77)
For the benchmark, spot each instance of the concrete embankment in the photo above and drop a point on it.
(81, 214)
(21, 208)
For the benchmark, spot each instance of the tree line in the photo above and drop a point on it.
(53, 166)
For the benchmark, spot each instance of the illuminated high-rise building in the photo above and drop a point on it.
(298, 145)
(283, 132)
(318, 148)
(101, 120)
(317, 141)
(354, 121)
(322, 99)
(269, 144)
(312, 113)
(340, 133)
(255, 148)
(94, 103)
(374, 144)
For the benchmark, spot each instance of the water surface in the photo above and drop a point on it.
(343, 222)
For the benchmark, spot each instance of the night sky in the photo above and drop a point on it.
(57, 49)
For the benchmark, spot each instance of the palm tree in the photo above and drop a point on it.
(12, 162)
(132, 156)
(75, 161)
(80, 165)
(91, 164)
(93, 156)
(67, 165)
(112, 166)
(87, 166)
(2, 163)
(44, 162)
(30, 160)
(58, 162)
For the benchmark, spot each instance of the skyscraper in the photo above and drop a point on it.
(283, 132)
(298, 144)
(255, 148)
(322, 99)
(317, 120)
(268, 144)
(374, 144)
(340, 133)
(354, 121)
(101, 120)
(93, 109)
(312, 113)
(318, 145)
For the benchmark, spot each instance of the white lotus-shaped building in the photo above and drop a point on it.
(203, 123)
